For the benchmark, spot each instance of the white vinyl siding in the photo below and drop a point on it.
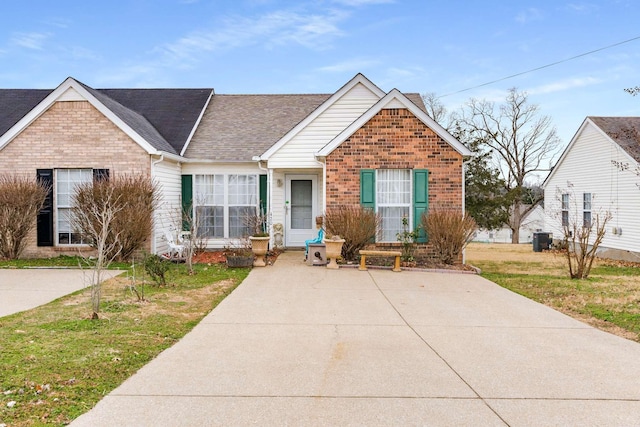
(168, 216)
(589, 167)
(299, 151)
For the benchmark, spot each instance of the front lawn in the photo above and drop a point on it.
(609, 299)
(56, 363)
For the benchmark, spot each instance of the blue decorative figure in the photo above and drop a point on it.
(310, 241)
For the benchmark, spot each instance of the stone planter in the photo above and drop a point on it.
(334, 251)
(259, 246)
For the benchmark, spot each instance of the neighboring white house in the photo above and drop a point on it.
(532, 222)
(599, 173)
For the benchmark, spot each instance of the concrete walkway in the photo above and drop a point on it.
(307, 346)
(24, 289)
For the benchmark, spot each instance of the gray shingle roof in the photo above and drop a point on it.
(163, 117)
(172, 112)
(16, 103)
(238, 127)
(233, 128)
(625, 131)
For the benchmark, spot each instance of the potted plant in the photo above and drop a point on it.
(333, 245)
(239, 254)
(259, 237)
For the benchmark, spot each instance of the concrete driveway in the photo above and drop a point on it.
(307, 346)
(23, 289)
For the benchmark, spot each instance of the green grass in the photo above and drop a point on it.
(56, 363)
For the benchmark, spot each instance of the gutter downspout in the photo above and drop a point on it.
(154, 245)
(464, 196)
(269, 181)
(322, 160)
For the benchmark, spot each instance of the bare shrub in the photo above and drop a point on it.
(21, 198)
(580, 253)
(355, 224)
(449, 232)
(134, 197)
(581, 236)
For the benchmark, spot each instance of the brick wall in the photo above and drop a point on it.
(395, 139)
(71, 134)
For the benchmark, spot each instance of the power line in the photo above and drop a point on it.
(542, 67)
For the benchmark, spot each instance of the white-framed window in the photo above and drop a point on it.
(565, 210)
(223, 204)
(586, 209)
(66, 182)
(393, 198)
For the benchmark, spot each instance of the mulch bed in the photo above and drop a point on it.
(220, 257)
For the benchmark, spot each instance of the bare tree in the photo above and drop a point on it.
(437, 111)
(520, 141)
(96, 206)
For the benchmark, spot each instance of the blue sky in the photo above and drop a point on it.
(269, 46)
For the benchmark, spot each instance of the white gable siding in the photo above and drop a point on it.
(166, 174)
(299, 151)
(71, 95)
(589, 167)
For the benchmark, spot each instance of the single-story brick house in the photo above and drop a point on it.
(295, 156)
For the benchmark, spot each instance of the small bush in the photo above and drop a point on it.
(355, 224)
(21, 198)
(448, 232)
(156, 268)
(408, 240)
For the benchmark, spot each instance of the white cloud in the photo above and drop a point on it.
(582, 7)
(30, 40)
(531, 14)
(357, 3)
(353, 65)
(313, 31)
(564, 85)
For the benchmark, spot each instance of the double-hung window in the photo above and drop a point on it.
(586, 209)
(565, 210)
(225, 204)
(66, 182)
(395, 194)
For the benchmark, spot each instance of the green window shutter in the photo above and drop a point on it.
(187, 201)
(368, 188)
(263, 194)
(368, 191)
(420, 199)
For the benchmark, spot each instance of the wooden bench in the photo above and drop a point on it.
(365, 254)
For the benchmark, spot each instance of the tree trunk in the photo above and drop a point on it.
(515, 221)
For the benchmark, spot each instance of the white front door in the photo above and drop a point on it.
(301, 201)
